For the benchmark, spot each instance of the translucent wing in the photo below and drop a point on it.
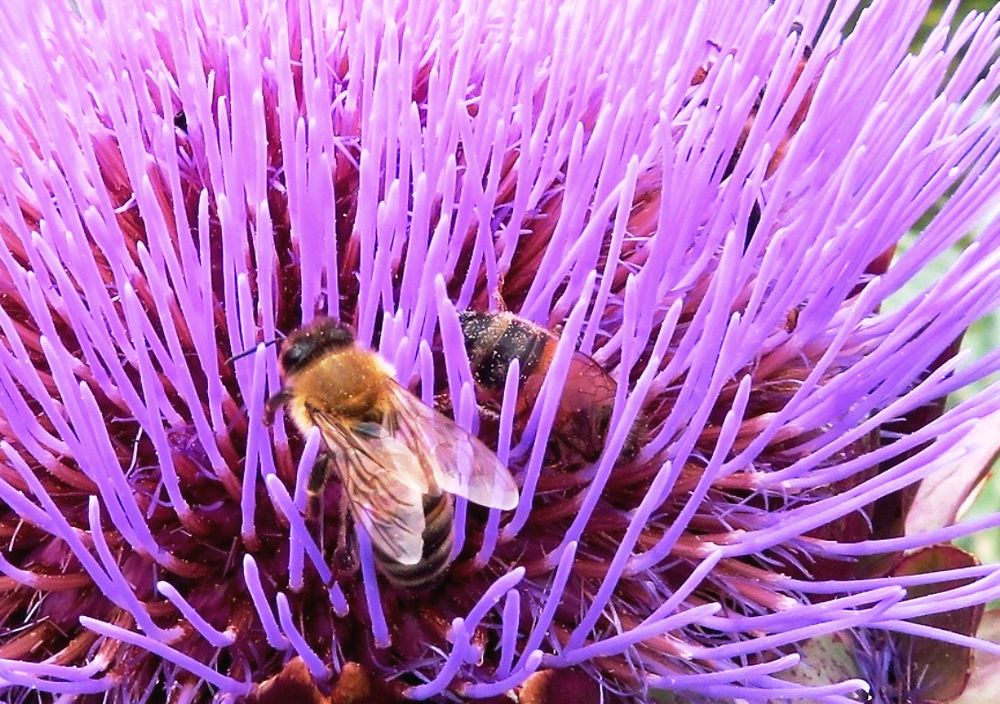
(457, 461)
(385, 485)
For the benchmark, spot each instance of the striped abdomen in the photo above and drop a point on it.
(439, 518)
(494, 340)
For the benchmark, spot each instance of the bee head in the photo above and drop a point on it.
(312, 341)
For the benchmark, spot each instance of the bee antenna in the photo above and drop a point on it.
(247, 353)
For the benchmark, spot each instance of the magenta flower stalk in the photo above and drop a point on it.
(706, 198)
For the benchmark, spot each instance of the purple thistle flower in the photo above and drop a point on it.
(707, 199)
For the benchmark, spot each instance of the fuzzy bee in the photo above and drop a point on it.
(399, 461)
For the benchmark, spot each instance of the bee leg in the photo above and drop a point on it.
(342, 559)
(317, 482)
(345, 563)
(488, 414)
(272, 405)
(498, 302)
(442, 402)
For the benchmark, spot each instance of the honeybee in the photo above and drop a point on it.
(399, 462)
(494, 340)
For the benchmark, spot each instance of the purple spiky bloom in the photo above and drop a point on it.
(697, 200)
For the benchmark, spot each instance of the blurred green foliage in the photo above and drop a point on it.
(964, 8)
(982, 338)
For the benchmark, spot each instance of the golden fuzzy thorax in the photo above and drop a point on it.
(349, 383)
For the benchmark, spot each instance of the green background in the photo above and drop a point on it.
(983, 336)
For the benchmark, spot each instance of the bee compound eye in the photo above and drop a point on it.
(294, 356)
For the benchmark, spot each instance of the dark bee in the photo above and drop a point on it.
(494, 340)
(399, 462)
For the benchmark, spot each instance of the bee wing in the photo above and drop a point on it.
(458, 462)
(385, 485)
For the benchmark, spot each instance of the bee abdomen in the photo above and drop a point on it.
(439, 517)
(494, 341)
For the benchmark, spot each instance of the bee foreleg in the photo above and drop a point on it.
(273, 404)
